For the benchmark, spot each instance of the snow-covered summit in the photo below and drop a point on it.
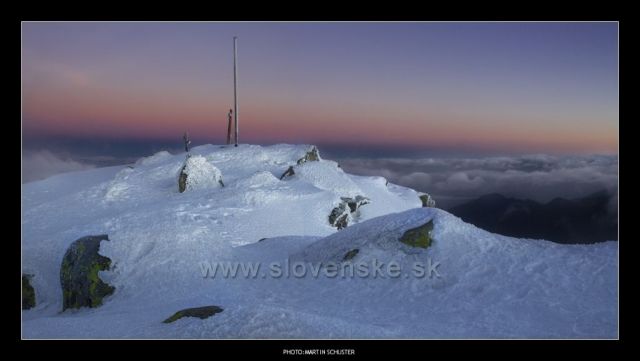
(492, 286)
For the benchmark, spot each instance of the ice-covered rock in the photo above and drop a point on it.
(427, 200)
(341, 215)
(311, 156)
(355, 203)
(198, 173)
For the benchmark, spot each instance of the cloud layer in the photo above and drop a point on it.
(37, 165)
(538, 177)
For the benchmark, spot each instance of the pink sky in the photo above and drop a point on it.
(470, 90)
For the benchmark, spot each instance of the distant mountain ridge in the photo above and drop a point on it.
(575, 221)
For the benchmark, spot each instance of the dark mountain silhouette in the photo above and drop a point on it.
(582, 220)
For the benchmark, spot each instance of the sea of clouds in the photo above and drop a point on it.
(40, 164)
(453, 180)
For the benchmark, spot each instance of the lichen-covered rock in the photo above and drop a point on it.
(28, 293)
(81, 285)
(199, 312)
(311, 156)
(341, 215)
(198, 173)
(419, 236)
(289, 172)
(427, 201)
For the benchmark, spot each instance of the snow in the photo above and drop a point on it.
(491, 286)
(326, 175)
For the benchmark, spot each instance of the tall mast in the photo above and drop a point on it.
(235, 85)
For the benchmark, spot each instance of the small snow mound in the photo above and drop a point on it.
(259, 179)
(154, 159)
(119, 186)
(380, 182)
(326, 175)
(261, 197)
(200, 174)
(115, 191)
(380, 233)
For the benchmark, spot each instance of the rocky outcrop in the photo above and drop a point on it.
(81, 285)
(355, 203)
(419, 236)
(197, 173)
(341, 215)
(426, 199)
(311, 156)
(28, 293)
(199, 312)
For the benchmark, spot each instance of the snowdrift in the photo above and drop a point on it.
(489, 285)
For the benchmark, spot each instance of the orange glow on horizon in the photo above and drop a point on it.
(98, 112)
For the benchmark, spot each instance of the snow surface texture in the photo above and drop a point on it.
(491, 286)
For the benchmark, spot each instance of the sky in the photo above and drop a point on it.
(505, 88)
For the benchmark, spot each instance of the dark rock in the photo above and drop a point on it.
(199, 312)
(339, 216)
(289, 172)
(354, 204)
(182, 180)
(81, 285)
(28, 293)
(262, 239)
(419, 236)
(349, 255)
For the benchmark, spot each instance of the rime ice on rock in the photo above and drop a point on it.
(197, 173)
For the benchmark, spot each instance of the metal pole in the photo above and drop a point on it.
(235, 85)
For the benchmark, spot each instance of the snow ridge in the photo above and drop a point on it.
(490, 285)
